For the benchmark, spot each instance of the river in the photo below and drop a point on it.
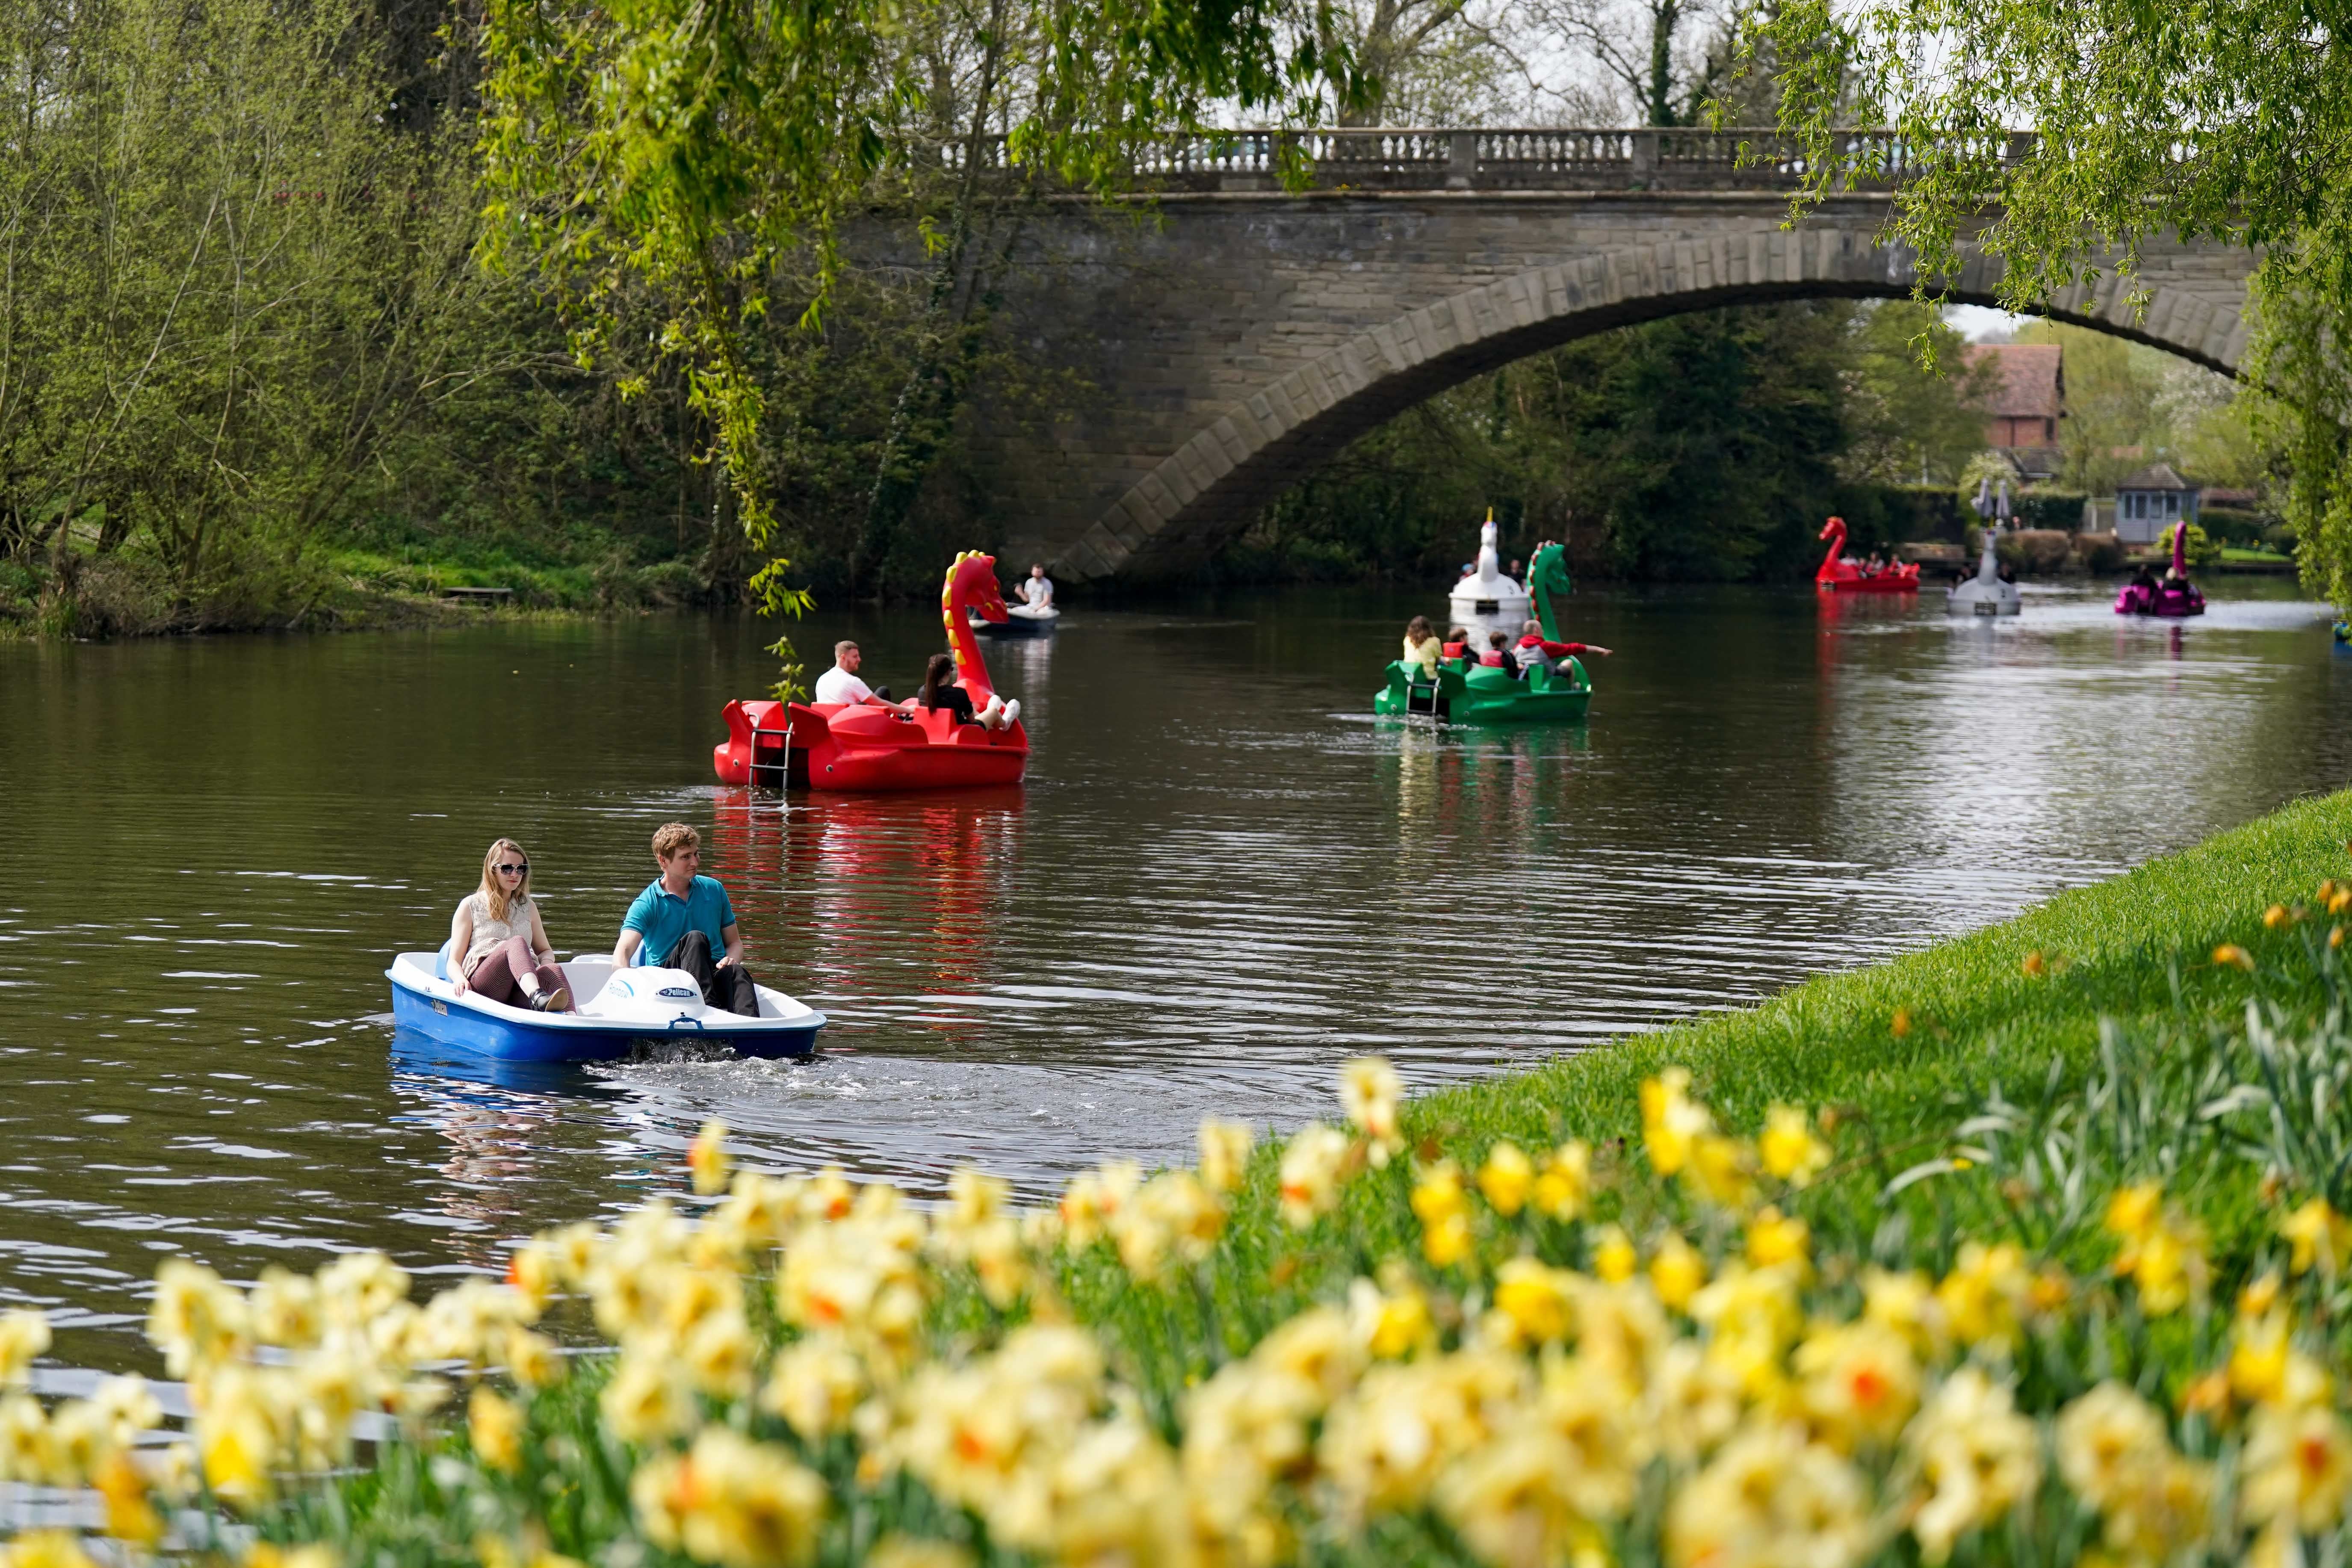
(1221, 878)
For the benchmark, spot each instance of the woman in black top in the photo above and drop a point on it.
(940, 691)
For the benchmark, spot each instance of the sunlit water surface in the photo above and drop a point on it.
(1221, 878)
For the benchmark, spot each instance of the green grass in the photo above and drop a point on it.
(2136, 950)
(2131, 958)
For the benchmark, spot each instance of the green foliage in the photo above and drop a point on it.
(1914, 405)
(697, 162)
(2202, 550)
(239, 321)
(2204, 121)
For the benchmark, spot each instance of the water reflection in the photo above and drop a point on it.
(1222, 876)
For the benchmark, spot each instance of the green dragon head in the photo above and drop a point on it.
(1548, 580)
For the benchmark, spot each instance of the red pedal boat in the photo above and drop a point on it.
(858, 747)
(1839, 575)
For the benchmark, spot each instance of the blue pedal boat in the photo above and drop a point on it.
(618, 1014)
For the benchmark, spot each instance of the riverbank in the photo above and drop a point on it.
(2024, 1243)
(86, 595)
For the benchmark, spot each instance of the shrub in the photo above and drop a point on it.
(2203, 549)
(2059, 510)
(2099, 552)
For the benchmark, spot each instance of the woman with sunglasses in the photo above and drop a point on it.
(496, 943)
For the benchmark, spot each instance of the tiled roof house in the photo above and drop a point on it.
(2027, 400)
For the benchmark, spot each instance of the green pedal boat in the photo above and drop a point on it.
(1466, 693)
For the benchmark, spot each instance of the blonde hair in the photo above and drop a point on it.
(672, 836)
(495, 895)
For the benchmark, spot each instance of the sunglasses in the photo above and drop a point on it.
(515, 871)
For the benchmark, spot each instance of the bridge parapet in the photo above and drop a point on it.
(1666, 158)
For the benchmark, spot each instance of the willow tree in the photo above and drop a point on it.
(2228, 120)
(704, 154)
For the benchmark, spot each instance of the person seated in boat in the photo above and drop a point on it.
(1036, 590)
(1534, 648)
(1499, 655)
(497, 944)
(1457, 647)
(684, 920)
(941, 690)
(840, 684)
(1873, 564)
(2145, 579)
(1421, 648)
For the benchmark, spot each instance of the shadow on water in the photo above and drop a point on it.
(1221, 878)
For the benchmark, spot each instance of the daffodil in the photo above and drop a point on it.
(650, 1397)
(494, 1425)
(2162, 1253)
(2297, 1469)
(1976, 1458)
(196, 1321)
(1509, 1499)
(45, 1549)
(1224, 1154)
(706, 1157)
(1506, 1178)
(23, 1334)
(1981, 1298)
(731, 1502)
(2319, 1239)
(1672, 1123)
(1906, 1301)
(1859, 1382)
(1721, 1171)
(1370, 1092)
(1392, 1324)
(1770, 1497)
(1313, 1162)
(1384, 1445)
(1789, 1147)
(1676, 1272)
(1538, 1300)
(1776, 1240)
(130, 1515)
(1443, 1207)
(895, 1550)
(2113, 1452)
(1563, 1188)
(1613, 1257)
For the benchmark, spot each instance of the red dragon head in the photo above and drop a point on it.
(1835, 525)
(970, 585)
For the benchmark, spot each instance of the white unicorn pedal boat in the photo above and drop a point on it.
(622, 1012)
(1486, 597)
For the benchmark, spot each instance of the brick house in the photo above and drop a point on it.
(2027, 400)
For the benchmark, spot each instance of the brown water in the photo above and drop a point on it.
(1221, 878)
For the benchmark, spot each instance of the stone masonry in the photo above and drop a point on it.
(1230, 341)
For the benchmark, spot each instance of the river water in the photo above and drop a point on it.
(1221, 878)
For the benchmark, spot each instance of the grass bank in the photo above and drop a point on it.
(85, 595)
(2027, 1248)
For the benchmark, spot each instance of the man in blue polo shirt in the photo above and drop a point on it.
(683, 920)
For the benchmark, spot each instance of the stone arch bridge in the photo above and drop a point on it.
(1233, 335)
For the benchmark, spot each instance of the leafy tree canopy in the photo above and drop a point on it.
(2218, 119)
(705, 151)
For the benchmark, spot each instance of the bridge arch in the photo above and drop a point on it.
(1220, 477)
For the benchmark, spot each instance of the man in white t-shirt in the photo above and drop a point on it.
(1037, 589)
(840, 684)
